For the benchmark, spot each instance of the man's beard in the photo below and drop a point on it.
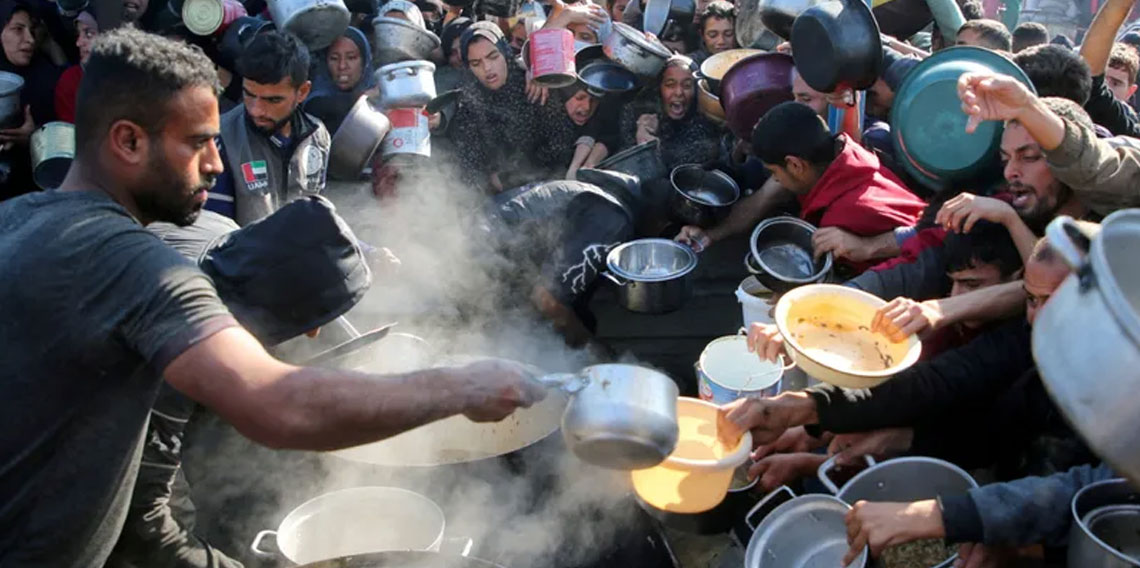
(168, 197)
(1045, 209)
(277, 126)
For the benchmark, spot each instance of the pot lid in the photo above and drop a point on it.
(656, 16)
(202, 17)
(651, 260)
(639, 38)
(1112, 265)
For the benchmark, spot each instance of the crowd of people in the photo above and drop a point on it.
(169, 260)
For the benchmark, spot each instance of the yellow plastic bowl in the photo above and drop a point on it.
(697, 475)
(827, 332)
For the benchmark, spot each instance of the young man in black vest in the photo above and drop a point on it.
(273, 151)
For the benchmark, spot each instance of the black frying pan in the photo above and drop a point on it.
(403, 559)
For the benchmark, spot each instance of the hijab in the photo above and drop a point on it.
(40, 75)
(328, 102)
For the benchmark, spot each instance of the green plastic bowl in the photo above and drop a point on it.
(928, 127)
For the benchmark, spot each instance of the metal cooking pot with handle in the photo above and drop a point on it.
(317, 23)
(11, 114)
(619, 416)
(1086, 339)
(652, 275)
(357, 139)
(798, 532)
(702, 197)
(395, 40)
(1105, 531)
(633, 50)
(406, 84)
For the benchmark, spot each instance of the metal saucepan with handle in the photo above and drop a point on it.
(808, 531)
(1105, 529)
(635, 51)
(317, 23)
(653, 275)
(356, 140)
(619, 416)
(1086, 339)
(406, 84)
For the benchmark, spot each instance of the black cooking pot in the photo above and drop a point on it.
(782, 255)
(836, 45)
(702, 197)
(403, 559)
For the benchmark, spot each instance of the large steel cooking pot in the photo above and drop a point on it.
(317, 23)
(780, 15)
(702, 197)
(352, 521)
(714, 68)
(1105, 531)
(356, 140)
(782, 254)
(406, 84)
(1086, 339)
(652, 275)
(798, 532)
(836, 45)
(619, 416)
(11, 115)
(395, 40)
(752, 86)
(404, 559)
(631, 49)
(642, 161)
(901, 480)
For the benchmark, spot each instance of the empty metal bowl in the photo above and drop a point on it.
(782, 250)
(653, 275)
(702, 197)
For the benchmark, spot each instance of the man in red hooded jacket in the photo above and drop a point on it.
(838, 183)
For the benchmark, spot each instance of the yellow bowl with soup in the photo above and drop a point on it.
(827, 332)
(697, 475)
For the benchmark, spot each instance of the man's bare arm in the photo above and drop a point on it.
(284, 406)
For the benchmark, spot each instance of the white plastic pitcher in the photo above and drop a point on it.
(754, 309)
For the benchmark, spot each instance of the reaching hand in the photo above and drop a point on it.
(881, 525)
(849, 449)
(841, 244)
(565, 15)
(536, 93)
(961, 213)
(695, 237)
(794, 440)
(766, 418)
(991, 96)
(21, 134)
(646, 128)
(495, 388)
(764, 340)
(904, 317)
(782, 469)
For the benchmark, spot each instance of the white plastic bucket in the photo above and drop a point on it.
(727, 371)
(753, 298)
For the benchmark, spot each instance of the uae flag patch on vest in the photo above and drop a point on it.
(255, 172)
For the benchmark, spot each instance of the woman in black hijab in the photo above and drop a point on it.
(668, 112)
(502, 139)
(37, 98)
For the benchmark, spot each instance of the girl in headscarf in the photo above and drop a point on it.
(37, 98)
(668, 113)
(343, 74)
(67, 89)
(503, 140)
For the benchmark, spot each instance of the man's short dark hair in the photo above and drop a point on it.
(992, 33)
(273, 56)
(717, 9)
(1056, 71)
(1125, 58)
(1028, 35)
(972, 9)
(132, 75)
(986, 243)
(793, 129)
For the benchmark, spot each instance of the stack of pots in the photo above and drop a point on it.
(405, 79)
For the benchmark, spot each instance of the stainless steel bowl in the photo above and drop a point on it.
(653, 275)
(702, 197)
(395, 40)
(782, 250)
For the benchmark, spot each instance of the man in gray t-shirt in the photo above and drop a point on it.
(93, 308)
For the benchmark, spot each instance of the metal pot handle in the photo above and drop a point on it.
(1067, 238)
(616, 279)
(748, 266)
(568, 382)
(255, 546)
(409, 71)
(829, 465)
(766, 505)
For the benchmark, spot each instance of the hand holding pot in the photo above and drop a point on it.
(904, 317)
(794, 440)
(22, 134)
(961, 213)
(841, 244)
(493, 389)
(849, 449)
(783, 469)
(646, 128)
(694, 237)
(882, 525)
(765, 340)
(766, 418)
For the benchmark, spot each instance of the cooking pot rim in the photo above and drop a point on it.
(1107, 285)
(1080, 523)
(752, 550)
(607, 66)
(714, 172)
(398, 22)
(828, 259)
(905, 460)
(913, 351)
(413, 64)
(631, 151)
(776, 371)
(615, 254)
(10, 83)
(631, 34)
(727, 54)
